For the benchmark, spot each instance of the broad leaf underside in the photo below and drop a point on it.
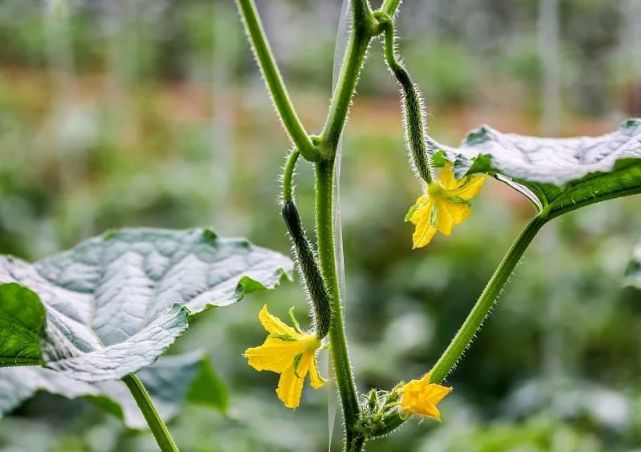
(114, 303)
(558, 174)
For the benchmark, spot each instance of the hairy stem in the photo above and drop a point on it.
(475, 318)
(288, 175)
(345, 88)
(305, 258)
(414, 115)
(148, 409)
(274, 81)
(390, 6)
(327, 257)
(486, 301)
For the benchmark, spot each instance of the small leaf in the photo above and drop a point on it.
(171, 381)
(115, 303)
(209, 389)
(557, 174)
(22, 324)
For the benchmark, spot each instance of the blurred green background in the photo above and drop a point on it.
(152, 113)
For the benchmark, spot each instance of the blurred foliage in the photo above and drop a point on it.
(160, 119)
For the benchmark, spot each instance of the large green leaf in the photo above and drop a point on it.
(114, 303)
(557, 174)
(171, 382)
(22, 325)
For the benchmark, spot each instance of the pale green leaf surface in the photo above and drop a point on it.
(114, 303)
(171, 381)
(558, 174)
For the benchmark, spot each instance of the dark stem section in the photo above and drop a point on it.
(309, 269)
(413, 111)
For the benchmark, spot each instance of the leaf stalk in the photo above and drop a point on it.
(149, 411)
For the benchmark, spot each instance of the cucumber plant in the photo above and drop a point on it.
(95, 320)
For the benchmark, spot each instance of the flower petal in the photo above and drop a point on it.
(423, 233)
(422, 218)
(447, 179)
(290, 385)
(437, 393)
(429, 410)
(445, 220)
(275, 355)
(274, 325)
(422, 397)
(314, 377)
(459, 212)
(468, 187)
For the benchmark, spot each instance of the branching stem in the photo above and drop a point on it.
(274, 81)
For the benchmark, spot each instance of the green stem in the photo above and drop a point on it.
(327, 257)
(389, 7)
(288, 175)
(274, 81)
(362, 15)
(475, 318)
(486, 301)
(146, 405)
(414, 115)
(345, 87)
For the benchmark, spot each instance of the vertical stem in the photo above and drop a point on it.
(148, 409)
(474, 320)
(340, 356)
(345, 88)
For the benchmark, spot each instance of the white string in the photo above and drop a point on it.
(342, 37)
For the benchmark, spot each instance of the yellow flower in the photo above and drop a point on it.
(444, 204)
(421, 397)
(289, 352)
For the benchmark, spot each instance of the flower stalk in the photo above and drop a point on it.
(413, 111)
(473, 322)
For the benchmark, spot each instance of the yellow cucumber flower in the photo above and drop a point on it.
(288, 352)
(444, 204)
(421, 397)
